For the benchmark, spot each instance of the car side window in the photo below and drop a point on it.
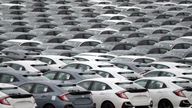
(6, 78)
(27, 87)
(41, 88)
(142, 83)
(46, 60)
(148, 60)
(104, 74)
(156, 85)
(152, 74)
(159, 66)
(86, 84)
(71, 66)
(50, 76)
(65, 76)
(84, 67)
(17, 67)
(167, 74)
(139, 60)
(99, 86)
(123, 66)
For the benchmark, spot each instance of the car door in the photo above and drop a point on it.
(100, 92)
(42, 93)
(157, 90)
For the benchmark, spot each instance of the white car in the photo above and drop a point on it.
(115, 93)
(21, 42)
(14, 97)
(91, 58)
(168, 92)
(105, 55)
(55, 61)
(87, 65)
(134, 58)
(168, 73)
(99, 31)
(117, 73)
(170, 65)
(28, 65)
(81, 42)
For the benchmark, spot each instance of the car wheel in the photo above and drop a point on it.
(49, 106)
(165, 104)
(107, 105)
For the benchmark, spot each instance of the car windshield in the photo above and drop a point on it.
(13, 90)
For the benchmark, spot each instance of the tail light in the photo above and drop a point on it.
(64, 97)
(4, 101)
(179, 93)
(122, 94)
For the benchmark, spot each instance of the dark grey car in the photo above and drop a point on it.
(70, 75)
(56, 95)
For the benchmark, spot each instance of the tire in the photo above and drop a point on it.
(165, 104)
(107, 105)
(49, 106)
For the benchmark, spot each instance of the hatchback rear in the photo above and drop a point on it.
(15, 97)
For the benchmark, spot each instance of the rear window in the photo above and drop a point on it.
(131, 87)
(13, 90)
(89, 75)
(68, 87)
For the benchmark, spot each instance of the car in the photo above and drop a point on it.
(81, 42)
(168, 73)
(87, 65)
(11, 76)
(105, 55)
(91, 58)
(70, 75)
(54, 61)
(140, 68)
(58, 95)
(117, 73)
(115, 93)
(32, 66)
(132, 58)
(15, 97)
(169, 65)
(167, 92)
(20, 42)
(173, 44)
